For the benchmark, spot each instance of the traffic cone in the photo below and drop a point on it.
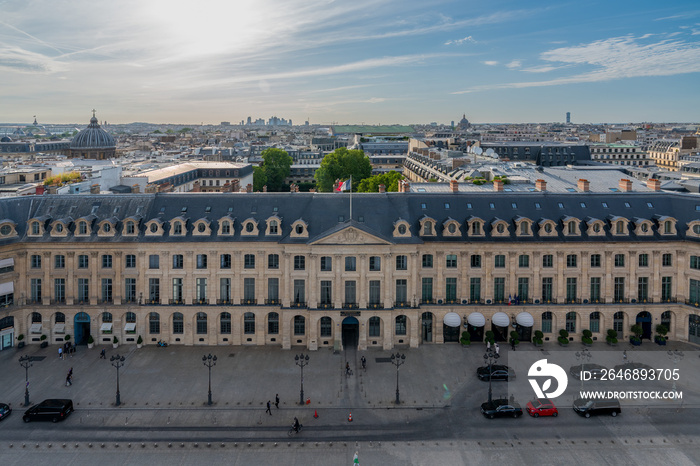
(350, 417)
(315, 414)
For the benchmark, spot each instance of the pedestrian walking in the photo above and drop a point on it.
(624, 355)
(347, 368)
(495, 345)
(488, 345)
(277, 401)
(364, 362)
(268, 408)
(60, 352)
(102, 354)
(356, 459)
(512, 344)
(68, 380)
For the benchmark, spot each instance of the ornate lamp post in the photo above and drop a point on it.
(117, 361)
(584, 356)
(26, 362)
(398, 359)
(209, 361)
(301, 361)
(490, 357)
(675, 356)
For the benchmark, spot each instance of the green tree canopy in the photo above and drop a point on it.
(389, 180)
(273, 170)
(341, 164)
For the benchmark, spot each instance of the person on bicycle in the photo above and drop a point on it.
(364, 362)
(296, 425)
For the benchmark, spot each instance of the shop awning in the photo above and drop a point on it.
(476, 319)
(130, 326)
(7, 263)
(452, 319)
(524, 319)
(35, 328)
(59, 328)
(7, 288)
(106, 327)
(500, 319)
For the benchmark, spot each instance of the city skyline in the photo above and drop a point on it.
(366, 62)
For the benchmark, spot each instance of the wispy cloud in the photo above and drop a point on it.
(514, 64)
(460, 41)
(490, 62)
(689, 14)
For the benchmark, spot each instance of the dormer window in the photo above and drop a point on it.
(620, 228)
(644, 227)
(548, 228)
(667, 227)
(225, 227)
(500, 228)
(249, 227)
(524, 228)
(106, 227)
(451, 228)
(5, 230)
(273, 227)
(428, 228)
(572, 228)
(299, 229)
(35, 228)
(201, 228)
(82, 228)
(59, 228)
(154, 228)
(596, 228)
(130, 228)
(402, 229)
(476, 228)
(177, 228)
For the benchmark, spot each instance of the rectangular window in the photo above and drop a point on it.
(249, 289)
(130, 290)
(59, 261)
(273, 261)
(695, 262)
(571, 289)
(619, 289)
(326, 327)
(154, 261)
(694, 291)
(374, 326)
(59, 290)
(36, 261)
(375, 263)
(273, 289)
(350, 292)
(225, 290)
(499, 261)
(619, 260)
(178, 296)
(427, 261)
(83, 290)
(201, 290)
(299, 291)
(106, 290)
(375, 292)
(523, 288)
(499, 289)
(326, 264)
(350, 264)
(401, 291)
(666, 288)
(249, 261)
(427, 289)
(130, 261)
(106, 261)
(594, 322)
(36, 290)
(401, 262)
(201, 261)
(595, 289)
(571, 260)
(225, 261)
(178, 325)
(523, 262)
(547, 289)
(595, 260)
(476, 261)
(326, 292)
(546, 325)
(451, 261)
(474, 290)
(178, 261)
(450, 289)
(667, 260)
(547, 261)
(642, 289)
(400, 327)
(153, 290)
(644, 260)
(83, 261)
(299, 325)
(299, 262)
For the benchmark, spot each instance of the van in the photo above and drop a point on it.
(590, 408)
(49, 410)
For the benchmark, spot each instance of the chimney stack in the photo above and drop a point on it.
(625, 185)
(584, 185)
(541, 185)
(654, 184)
(498, 185)
(95, 189)
(382, 188)
(454, 186)
(135, 189)
(249, 188)
(265, 188)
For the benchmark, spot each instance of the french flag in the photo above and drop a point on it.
(344, 186)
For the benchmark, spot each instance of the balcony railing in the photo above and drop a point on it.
(452, 301)
(375, 306)
(128, 301)
(548, 301)
(402, 304)
(595, 301)
(621, 301)
(671, 299)
(152, 302)
(692, 303)
(350, 306)
(572, 301)
(34, 301)
(298, 304)
(105, 301)
(476, 301)
(200, 302)
(82, 301)
(223, 302)
(176, 301)
(645, 301)
(58, 301)
(427, 301)
(249, 301)
(272, 302)
(325, 306)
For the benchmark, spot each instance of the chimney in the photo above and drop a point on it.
(541, 185)
(95, 189)
(583, 185)
(498, 185)
(196, 187)
(265, 188)
(135, 189)
(454, 186)
(382, 188)
(249, 188)
(625, 185)
(406, 186)
(654, 184)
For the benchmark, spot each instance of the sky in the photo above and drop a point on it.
(349, 62)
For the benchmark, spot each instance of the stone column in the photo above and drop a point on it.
(95, 284)
(46, 290)
(70, 279)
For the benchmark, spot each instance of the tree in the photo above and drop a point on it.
(273, 170)
(389, 180)
(340, 165)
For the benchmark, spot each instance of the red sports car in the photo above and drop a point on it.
(541, 407)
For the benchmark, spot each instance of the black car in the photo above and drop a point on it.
(49, 410)
(5, 411)
(596, 371)
(501, 408)
(588, 408)
(498, 372)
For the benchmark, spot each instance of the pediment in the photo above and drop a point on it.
(351, 236)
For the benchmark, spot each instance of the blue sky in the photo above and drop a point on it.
(381, 61)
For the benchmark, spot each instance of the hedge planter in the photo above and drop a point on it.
(612, 343)
(635, 342)
(537, 343)
(660, 341)
(587, 344)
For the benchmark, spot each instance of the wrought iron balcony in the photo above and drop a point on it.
(325, 306)
(298, 304)
(350, 306)
(223, 302)
(249, 301)
(272, 302)
(200, 302)
(176, 301)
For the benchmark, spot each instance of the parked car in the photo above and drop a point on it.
(5, 411)
(501, 408)
(596, 371)
(588, 408)
(498, 372)
(49, 410)
(541, 407)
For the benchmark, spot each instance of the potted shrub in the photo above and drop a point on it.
(490, 337)
(637, 330)
(586, 338)
(20, 339)
(66, 338)
(91, 342)
(563, 337)
(466, 339)
(115, 342)
(661, 331)
(538, 340)
(44, 343)
(514, 338)
(139, 342)
(611, 338)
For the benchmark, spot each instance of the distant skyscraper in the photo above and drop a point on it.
(568, 117)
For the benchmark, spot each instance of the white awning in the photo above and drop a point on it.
(7, 263)
(7, 288)
(500, 319)
(35, 328)
(525, 319)
(59, 328)
(452, 319)
(106, 327)
(476, 319)
(130, 326)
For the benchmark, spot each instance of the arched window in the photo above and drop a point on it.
(374, 326)
(299, 325)
(401, 325)
(7, 322)
(178, 323)
(131, 317)
(225, 323)
(594, 325)
(249, 323)
(547, 322)
(153, 323)
(177, 230)
(273, 323)
(571, 322)
(428, 228)
(618, 321)
(60, 318)
(201, 323)
(620, 228)
(326, 327)
(666, 319)
(106, 317)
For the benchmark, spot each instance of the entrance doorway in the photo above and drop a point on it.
(81, 326)
(450, 333)
(644, 319)
(694, 329)
(500, 333)
(351, 332)
(427, 327)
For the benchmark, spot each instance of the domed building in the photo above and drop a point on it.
(93, 142)
(463, 123)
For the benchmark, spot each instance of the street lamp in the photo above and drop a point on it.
(584, 356)
(676, 357)
(209, 361)
(398, 359)
(26, 362)
(117, 361)
(301, 361)
(490, 357)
